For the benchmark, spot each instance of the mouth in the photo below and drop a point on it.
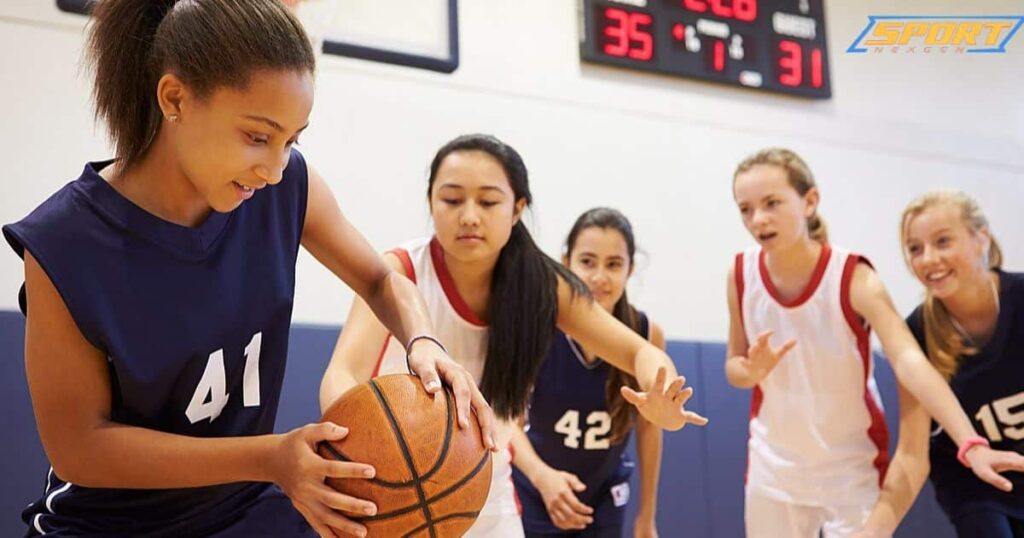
(469, 238)
(766, 236)
(246, 191)
(934, 277)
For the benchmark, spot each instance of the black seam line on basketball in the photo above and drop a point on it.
(445, 518)
(408, 457)
(340, 456)
(449, 422)
(411, 508)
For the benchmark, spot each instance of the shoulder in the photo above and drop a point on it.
(1013, 285)
(862, 277)
(68, 219)
(413, 254)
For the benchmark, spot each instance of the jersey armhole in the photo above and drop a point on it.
(17, 241)
(406, 261)
(857, 323)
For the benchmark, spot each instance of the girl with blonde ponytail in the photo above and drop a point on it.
(818, 442)
(971, 323)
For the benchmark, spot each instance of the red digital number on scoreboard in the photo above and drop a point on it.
(629, 34)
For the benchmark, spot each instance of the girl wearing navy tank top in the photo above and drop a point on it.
(494, 293)
(818, 445)
(572, 472)
(971, 323)
(159, 287)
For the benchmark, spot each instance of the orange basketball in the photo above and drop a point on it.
(432, 476)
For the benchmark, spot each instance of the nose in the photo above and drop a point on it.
(598, 276)
(273, 170)
(469, 217)
(759, 217)
(928, 255)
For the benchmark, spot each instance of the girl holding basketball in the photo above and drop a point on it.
(818, 443)
(496, 301)
(972, 325)
(159, 287)
(571, 470)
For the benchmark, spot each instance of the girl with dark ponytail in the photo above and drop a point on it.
(159, 287)
(497, 302)
(571, 470)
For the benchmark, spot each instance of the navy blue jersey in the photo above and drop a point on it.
(194, 323)
(990, 387)
(570, 428)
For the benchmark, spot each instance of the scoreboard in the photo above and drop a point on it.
(773, 45)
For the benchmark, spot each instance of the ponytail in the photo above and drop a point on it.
(523, 306)
(205, 43)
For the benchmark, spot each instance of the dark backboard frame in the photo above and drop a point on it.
(354, 50)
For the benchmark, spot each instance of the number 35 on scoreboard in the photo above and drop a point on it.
(774, 45)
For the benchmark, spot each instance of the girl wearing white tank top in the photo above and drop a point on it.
(800, 317)
(496, 299)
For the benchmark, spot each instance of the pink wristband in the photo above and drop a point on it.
(968, 444)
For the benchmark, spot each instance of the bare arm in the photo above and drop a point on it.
(603, 335)
(737, 367)
(393, 300)
(71, 398)
(557, 488)
(597, 331)
(907, 472)
(648, 449)
(336, 244)
(359, 345)
(870, 299)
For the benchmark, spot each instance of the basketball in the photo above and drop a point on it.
(432, 476)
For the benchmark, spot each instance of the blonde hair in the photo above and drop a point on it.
(799, 176)
(943, 342)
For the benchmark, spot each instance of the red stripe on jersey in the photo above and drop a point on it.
(380, 357)
(403, 256)
(448, 285)
(877, 431)
(738, 276)
(812, 286)
(757, 397)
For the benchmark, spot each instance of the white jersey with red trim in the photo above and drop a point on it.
(817, 432)
(465, 336)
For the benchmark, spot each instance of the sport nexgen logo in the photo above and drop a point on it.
(910, 34)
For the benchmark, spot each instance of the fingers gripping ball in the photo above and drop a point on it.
(432, 476)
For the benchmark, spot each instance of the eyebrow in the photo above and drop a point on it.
(460, 187)
(615, 257)
(270, 122)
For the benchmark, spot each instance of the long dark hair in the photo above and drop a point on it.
(206, 43)
(523, 307)
(623, 414)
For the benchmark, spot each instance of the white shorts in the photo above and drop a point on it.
(769, 518)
